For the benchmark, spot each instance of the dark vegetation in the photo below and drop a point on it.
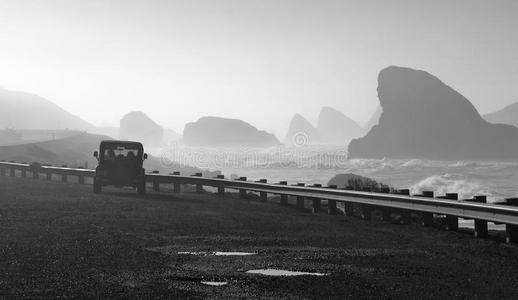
(60, 240)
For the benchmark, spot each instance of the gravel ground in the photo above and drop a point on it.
(60, 240)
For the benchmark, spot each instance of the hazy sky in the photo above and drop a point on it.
(258, 60)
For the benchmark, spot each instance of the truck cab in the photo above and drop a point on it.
(120, 164)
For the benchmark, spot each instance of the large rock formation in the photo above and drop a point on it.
(301, 132)
(215, 131)
(19, 110)
(424, 118)
(139, 127)
(507, 115)
(336, 128)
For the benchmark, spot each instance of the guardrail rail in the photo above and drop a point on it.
(426, 206)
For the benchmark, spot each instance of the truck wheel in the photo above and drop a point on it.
(141, 188)
(97, 186)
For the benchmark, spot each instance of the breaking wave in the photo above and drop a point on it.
(455, 183)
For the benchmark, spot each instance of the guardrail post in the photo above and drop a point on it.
(242, 192)
(221, 189)
(385, 211)
(317, 202)
(349, 206)
(24, 173)
(3, 172)
(452, 222)
(81, 179)
(263, 196)
(284, 197)
(511, 231)
(176, 185)
(300, 199)
(64, 178)
(12, 172)
(365, 209)
(331, 204)
(406, 215)
(427, 216)
(49, 175)
(199, 187)
(480, 225)
(156, 184)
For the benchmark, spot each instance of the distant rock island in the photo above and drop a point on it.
(20, 110)
(336, 128)
(301, 132)
(424, 118)
(222, 132)
(137, 126)
(507, 115)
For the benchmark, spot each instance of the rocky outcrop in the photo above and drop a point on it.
(424, 118)
(336, 128)
(352, 180)
(221, 132)
(137, 126)
(507, 115)
(301, 132)
(20, 110)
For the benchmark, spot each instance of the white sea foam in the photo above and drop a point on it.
(454, 183)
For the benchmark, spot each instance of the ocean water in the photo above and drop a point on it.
(310, 165)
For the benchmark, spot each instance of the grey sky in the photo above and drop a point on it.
(261, 61)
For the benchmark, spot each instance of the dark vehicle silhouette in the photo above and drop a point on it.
(120, 164)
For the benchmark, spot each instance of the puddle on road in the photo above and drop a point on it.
(217, 253)
(193, 253)
(234, 253)
(214, 283)
(276, 272)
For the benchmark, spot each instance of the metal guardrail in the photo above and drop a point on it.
(367, 201)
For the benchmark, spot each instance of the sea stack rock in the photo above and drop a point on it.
(424, 118)
(221, 132)
(336, 128)
(301, 132)
(137, 126)
(507, 115)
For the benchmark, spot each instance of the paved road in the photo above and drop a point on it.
(59, 239)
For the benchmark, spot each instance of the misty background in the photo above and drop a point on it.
(259, 61)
